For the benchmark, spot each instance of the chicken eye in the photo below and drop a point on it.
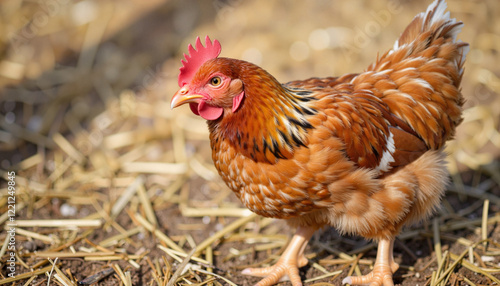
(216, 81)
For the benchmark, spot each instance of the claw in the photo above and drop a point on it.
(287, 267)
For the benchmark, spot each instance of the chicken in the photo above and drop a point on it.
(361, 152)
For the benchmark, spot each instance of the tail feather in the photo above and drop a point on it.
(423, 71)
(435, 19)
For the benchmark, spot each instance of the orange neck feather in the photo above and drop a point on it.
(272, 120)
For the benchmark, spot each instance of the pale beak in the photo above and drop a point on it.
(182, 96)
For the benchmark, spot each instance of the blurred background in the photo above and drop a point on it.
(85, 89)
(64, 62)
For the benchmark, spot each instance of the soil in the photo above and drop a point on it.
(136, 61)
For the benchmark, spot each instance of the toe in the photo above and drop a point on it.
(259, 272)
(380, 276)
(360, 280)
(275, 274)
(271, 279)
(388, 281)
(293, 274)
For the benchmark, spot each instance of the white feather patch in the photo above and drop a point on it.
(387, 159)
(423, 83)
(440, 13)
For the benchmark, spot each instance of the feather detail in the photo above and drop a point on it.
(283, 121)
(424, 70)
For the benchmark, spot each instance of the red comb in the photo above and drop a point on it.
(197, 57)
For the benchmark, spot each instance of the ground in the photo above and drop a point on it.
(106, 181)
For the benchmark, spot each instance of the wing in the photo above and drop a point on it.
(374, 137)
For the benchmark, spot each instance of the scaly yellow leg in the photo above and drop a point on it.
(383, 269)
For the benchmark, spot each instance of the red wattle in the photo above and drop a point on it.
(194, 108)
(209, 112)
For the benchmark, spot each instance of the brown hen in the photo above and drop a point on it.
(361, 152)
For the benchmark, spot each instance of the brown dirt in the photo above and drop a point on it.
(124, 88)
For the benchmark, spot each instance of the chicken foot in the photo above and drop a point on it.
(287, 267)
(383, 269)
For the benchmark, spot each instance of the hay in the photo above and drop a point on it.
(109, 180)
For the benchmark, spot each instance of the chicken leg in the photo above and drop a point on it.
(287, 267)
(385, 266)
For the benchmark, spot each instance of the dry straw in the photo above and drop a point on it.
(107, 177)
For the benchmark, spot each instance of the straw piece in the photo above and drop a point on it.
(354, 266)
(327, 262)
(323, 276)
(63, 223)
(230, 228)
(35, 235)
(209, 256)
(96, 246)
(174, 253)
(441, 264)
(484, 223)
(25, 275)
(201, 169)
(61, 169)
(60, 276)
(476, 269)
(119, 140)
(49, 254)
(319, 267)
(112, 257)
(262, 247)
(336, 252)
(120, 273)
(68, 148)
(5, 215)
(51, 271)
(457, 259)
(471, 255)
(468, 281)
(180, 270)
(160, 235)
(154, 167)
(128, 278)
(437, 240)
(30, 280)
(223, 212)
(114, 239)
(22, 181)
(484, 271)
(126, 196)
(218, 276)
(12, 70)
(146, 203)
(29, 162)
(4, 245)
